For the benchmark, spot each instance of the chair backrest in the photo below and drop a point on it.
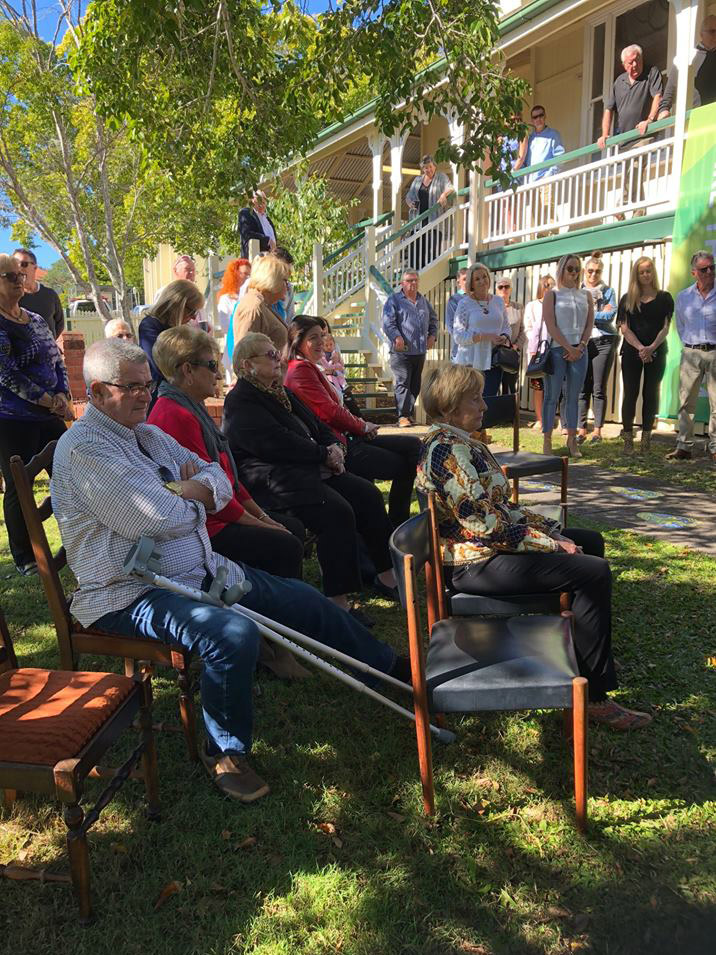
(8, 660)
(503, 410)
(48, 564)
(412, 548)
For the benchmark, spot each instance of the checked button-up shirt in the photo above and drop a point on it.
(107, 492)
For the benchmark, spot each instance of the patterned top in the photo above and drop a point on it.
(476, 518)
(108, 491)
(30, 366)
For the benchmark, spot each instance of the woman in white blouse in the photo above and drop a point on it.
(535, 332)
(480, 324)
(568, 314)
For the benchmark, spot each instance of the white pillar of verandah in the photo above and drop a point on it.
(376, 143)
(397, 145)
(686, 23)
(457, 136)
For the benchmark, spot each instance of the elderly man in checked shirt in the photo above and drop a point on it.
(116, 479)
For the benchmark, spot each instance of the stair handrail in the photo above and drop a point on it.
(386, 217)
(618, 140)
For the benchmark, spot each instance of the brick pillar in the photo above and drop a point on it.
(72, 346)
(215, 407)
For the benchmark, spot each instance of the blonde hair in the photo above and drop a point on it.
(268, 274)
(175, 346)
(446, 387)
(248, 347)
(562, 265)
(472, 271)
(176, 298)
(633, 299)
(540, 285)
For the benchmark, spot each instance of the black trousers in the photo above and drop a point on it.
(632, 370)
(509, 383)
(391, 458)
(352, 505)
(586, 576)
(407, 377)
(26, 439)
(601, 352)
(274, 551)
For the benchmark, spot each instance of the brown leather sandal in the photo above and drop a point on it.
(617, 717)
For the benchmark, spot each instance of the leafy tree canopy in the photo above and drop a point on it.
(223, 92)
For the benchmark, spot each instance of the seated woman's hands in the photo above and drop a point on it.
(566, 544)
(371, 430)
(334, 459)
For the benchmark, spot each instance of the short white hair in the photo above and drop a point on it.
(104, 359)
(113, 326)
(632, 48)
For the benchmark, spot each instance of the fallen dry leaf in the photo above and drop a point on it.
(170, 889)
(396, 816)
(248, 843)
(226, 834)
(326, 827)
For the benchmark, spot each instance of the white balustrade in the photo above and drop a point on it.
(621, 182)
(344, 277)
(419, 247)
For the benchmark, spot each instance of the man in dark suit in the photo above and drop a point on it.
(254, 223)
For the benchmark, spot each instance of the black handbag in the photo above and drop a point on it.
(506, 358)
(541, 363)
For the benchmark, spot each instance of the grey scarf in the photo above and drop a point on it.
(214, 440)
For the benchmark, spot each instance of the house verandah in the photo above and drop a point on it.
(620, 201)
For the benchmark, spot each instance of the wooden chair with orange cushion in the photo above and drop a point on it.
(55, 725)
(73, 638)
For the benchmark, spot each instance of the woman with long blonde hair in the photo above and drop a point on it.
(643, 319)
(179, 302)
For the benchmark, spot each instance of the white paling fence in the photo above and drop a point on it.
(621, 182)
(418, 247)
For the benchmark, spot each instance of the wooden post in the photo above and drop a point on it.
(579, 717)
(317, 278)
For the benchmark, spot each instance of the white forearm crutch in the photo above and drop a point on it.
(142, 561)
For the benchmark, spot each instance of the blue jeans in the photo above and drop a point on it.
(228, 644)
(574, 373)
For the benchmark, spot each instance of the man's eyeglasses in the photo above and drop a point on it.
(706, 268)
(273, 355)
(24, 264)
(538, 115)
(136, 388)
(212, 364)
(594, 271)
(12, 276)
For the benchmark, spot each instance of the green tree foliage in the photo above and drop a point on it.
(223, 92)
(59, 277)
(87, 188)
(306, 214)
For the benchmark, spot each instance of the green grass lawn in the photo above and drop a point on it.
(340, 859)
(698, 473)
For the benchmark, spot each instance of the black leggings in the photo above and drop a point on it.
(586, 576)
(632, 369)
(264, 548)
(601, 352)
(26, 438)
(351, 502)
(391, 458)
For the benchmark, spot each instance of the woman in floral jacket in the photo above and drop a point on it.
(491, 546)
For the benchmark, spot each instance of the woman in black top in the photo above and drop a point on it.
(643, 319)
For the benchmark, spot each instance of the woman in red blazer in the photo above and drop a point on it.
(189, 360)
(376, 457)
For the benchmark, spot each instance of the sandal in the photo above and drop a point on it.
(618, 717)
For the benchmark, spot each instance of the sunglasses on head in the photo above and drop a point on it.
(706, 268)
(12, 276)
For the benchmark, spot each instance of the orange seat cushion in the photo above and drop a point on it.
(49, 715)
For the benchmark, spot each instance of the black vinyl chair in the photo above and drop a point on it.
(515, 464)
(477, 664)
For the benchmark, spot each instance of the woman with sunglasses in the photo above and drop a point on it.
(179, 302)
(34, 398)
(480, 324)
(190, 363)
(644, 317)
(513, 311)
(568, 313)
(601, 348)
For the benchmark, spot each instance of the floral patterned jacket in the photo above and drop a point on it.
(476, 517)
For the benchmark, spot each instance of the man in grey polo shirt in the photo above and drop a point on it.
(633, 103)
(696, 324)
(411, 326)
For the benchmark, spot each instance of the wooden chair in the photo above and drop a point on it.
(73, 638)
(55, 725)
(516, 464)
(476, 664)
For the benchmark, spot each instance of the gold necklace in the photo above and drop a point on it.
(15, 318)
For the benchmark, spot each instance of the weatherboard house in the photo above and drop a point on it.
(627, 200)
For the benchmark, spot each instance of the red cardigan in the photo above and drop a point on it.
(314, 389)
(184, 427)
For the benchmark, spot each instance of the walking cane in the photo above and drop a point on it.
(142, 561)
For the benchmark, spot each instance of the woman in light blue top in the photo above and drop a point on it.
(568, 314)
(480, 324)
